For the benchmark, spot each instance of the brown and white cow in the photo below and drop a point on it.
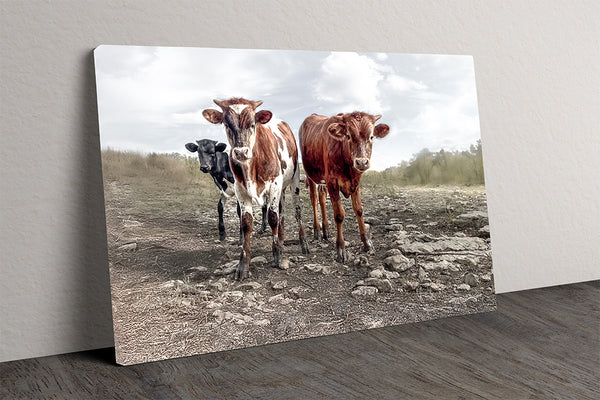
(335, 152)
(264, 161)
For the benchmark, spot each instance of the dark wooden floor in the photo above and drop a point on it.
(541, 344)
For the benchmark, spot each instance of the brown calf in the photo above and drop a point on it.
(335, 152)
(264, 161)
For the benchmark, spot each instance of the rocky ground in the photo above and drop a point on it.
(174, 295)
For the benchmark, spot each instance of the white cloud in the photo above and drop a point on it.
(351, 81)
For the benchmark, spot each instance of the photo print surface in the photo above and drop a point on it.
(260, 196)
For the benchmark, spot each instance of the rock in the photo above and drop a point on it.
(219, 315)
(397, 263)
(186, 302)
(197, 269)
(473, 215)
(445, 245)
(296, 259)
(204, 294)
(383, 285)
(463, 287)
(284, 264)
(393, 252)
(227, 269)
(423, 275)
(131, 224)
(412, 226)
(393, 221)
(279, 285)
(391, 274)
(485, 229)
(172, 284)
(322, 269)
(234, 293)
(376, 273)
(363, 291)
(361, 261)
(371, 220)
(460, 234)
(411, 285)
(218, 286)
(249, 286)
(485, 277)
(298, 292)
(213, 304)
(263, 322)
(128, 247)
(279, 298)
(471, 279)
(437, 287)
(258, 260)
(393, 227)
(489, 290)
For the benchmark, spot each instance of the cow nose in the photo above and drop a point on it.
(361, 164)
(241, 153)
(204, 168)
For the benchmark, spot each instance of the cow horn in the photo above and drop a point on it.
(219, 103)
(256, 104)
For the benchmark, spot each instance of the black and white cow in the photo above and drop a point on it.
(214, 160)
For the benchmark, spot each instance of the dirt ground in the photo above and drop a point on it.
(174, 295)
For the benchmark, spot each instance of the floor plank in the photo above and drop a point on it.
(540, 344)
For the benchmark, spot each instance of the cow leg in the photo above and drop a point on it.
(312, 187)
(243, 270)
(239, 213)
(263, 225)
(297, 204)
(365, 233)
(339, 214)
(273, 218)
(222, 234)
(323, 204)
(280, 229)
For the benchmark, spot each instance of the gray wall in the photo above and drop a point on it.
(538, 85)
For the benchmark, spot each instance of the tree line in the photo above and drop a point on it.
(434, 168)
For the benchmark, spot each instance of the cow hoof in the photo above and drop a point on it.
(222, 237)
(262, 230)
(368, 246)
(325, 235)
(316, 236)
(240, 275)
(342, 255)
(304, 246)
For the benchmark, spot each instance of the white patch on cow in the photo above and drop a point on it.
(238, 108)
(284, 153)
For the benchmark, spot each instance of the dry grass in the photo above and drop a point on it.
(160, 182)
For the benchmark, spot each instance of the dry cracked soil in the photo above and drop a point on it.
(173, 291)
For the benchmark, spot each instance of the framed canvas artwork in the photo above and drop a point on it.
(259, 196)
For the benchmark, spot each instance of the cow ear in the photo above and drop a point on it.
(193, 147)
(214, 116)
(381, 130)
(220, 147)
(263, 116)
(337, 130)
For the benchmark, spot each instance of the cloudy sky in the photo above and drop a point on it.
(150, 99)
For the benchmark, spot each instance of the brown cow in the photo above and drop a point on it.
(335, 152)
(264, 161)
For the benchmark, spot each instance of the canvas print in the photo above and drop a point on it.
(259, 196)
